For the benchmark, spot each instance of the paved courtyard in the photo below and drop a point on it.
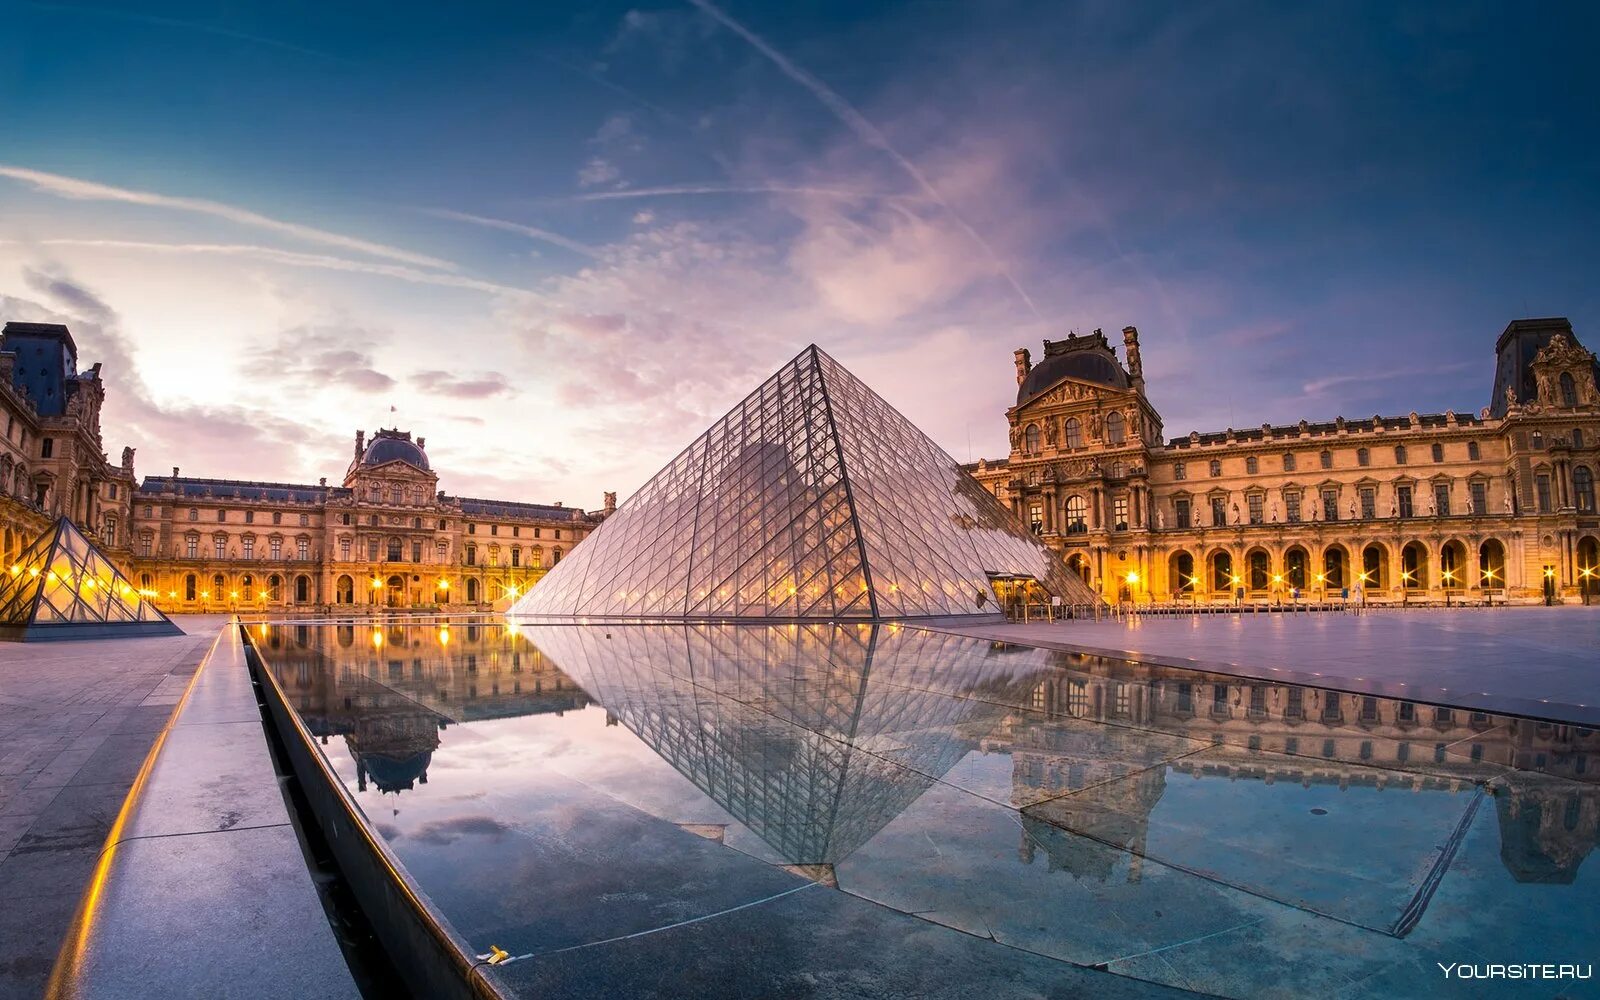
(1522, 660)
(76, 721)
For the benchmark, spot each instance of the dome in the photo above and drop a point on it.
(1086, 359)
(388, 446)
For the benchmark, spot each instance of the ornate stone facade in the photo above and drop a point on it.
(1497, 503)
(387, 536)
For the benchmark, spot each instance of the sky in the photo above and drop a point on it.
(558, 240)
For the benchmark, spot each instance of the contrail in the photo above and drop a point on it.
(171, 22)
(709, 189)
(555, 239)
(866, 132)
(294, 259)
(81, 190)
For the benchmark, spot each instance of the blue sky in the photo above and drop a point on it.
(559, 240)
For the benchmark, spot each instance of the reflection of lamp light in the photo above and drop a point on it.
(377, 639)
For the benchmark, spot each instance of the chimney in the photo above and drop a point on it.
(361, 439)
(1024, 363)
(1130, 344)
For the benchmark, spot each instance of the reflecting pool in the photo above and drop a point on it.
(825, 810)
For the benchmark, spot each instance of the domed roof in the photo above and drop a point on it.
(1087, 359)
(392, 446)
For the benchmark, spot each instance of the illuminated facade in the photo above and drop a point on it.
(1497, 503)
(386, 536)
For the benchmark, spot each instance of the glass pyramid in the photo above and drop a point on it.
(811, 499)
(63, 587)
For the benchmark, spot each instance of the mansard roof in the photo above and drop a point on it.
(1085, 359)
(239, 489)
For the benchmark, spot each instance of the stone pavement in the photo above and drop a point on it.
(76, 722)
(1538, 661)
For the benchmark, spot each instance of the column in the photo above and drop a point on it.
(1094, 507)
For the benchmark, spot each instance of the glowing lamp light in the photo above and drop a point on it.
(376, 583)
(206, 594)
(1277, 578)
(1549, 571)
(1320, 578)
(444, 584)
(172, 593)
(34, 571)
(1133, 577)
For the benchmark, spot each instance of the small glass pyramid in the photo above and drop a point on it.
(63, 587)
(811, 499)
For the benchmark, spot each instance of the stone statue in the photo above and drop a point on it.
(1236, 513)
(1133, 423)
(1016, 437)
(1274, 512)
(1394, 508)
(1511, 396)
(1433, 507)
(1161, 520)
(1352, 510)
(1511, 502)
(1094, 426)
(1050, 432)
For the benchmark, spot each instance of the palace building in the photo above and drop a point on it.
(1496, 503)
(386, 536)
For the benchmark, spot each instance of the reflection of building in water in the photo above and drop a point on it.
(389, 690)
(1549, 818)
(815, 736)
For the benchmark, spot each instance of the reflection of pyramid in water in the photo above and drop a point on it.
(813, 736)
(813, 498)
(63, 587)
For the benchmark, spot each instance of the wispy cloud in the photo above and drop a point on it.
(82, 190)
(1321, 385)
(443, 383)
(867, 133)
(292, 258)
(544, 235)
(221, 31)
(669, 190)
(322, 357)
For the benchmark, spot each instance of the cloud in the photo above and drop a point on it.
(1318, 386)
(446, 831)
(82, 190)
(316, 358)
(867, 133)
(644, 218)
(679, 190)
(544, 235)
(295, 259)
(234, 437)
(441, 383)
(596, 172)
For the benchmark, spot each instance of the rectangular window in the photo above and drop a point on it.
(494, 529)
(1437, 453)
(1288, 462)
(516, 531)
(1472, 450)
(1330, 505)
(1369, 503)
(516, 557)
(1181, 509)
(1541, 493)
(305, 519)
(1119, 513)
(1441, 498)
(276, 547)
(147, 510)
(372, 549)
(416, 551)
(145, 544)
(1036, 517)
(472, 529)
(191, 548)
(302, 549)
(222, 515)
(113, 491)
(219, 548)
(47, 447)
(249, 548)
(277, 517)
(1257, 502)
(1179, 472)
(1402, 499)
(536, 532)
(1480, 497)
(1291, 503)
(1219, 511)
(344, 549)
(111, 532)
(249, 517)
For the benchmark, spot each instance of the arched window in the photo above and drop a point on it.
(1072, 433)
(1030, 440)
(1399, 454)
(344, 590)
(1259, 570)
(1569, 390)
(302, 589)
(472, 591)
(274, 588)
(1077, 514)
(1583, 489)
(189, 584)
(218, 586)
(1115, 431)
(248, 585)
